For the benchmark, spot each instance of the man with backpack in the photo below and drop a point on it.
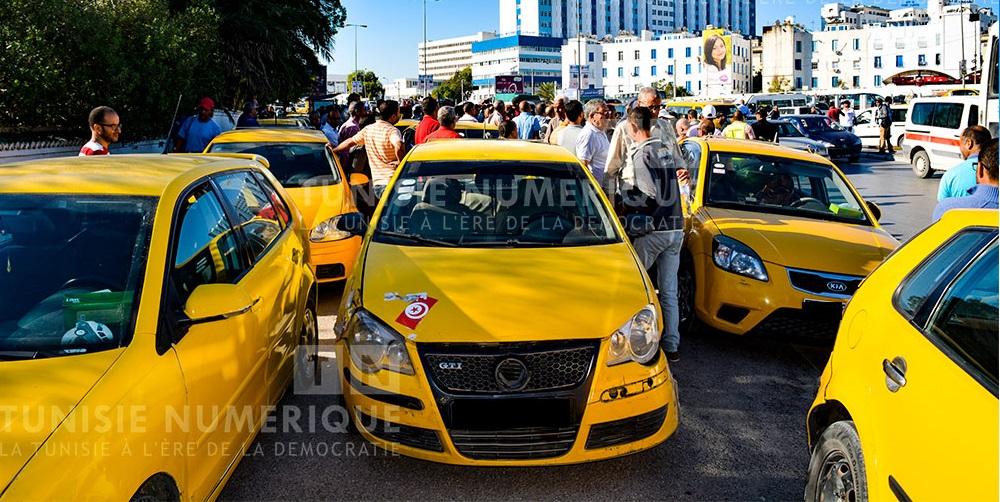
(883, 117)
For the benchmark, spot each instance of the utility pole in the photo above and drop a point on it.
(961, 27)
(356, 26)
(579, 42)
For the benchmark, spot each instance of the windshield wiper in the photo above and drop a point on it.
(19, 355)
(514, 243)
(416, 238)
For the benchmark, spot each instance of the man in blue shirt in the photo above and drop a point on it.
(984, 194)
(958, 180)
(198, 130)
(527, 123)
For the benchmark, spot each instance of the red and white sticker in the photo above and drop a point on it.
(415, 312)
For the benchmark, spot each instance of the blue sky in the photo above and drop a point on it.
(389, 45)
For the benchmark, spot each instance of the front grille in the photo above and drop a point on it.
(405, 435)
(824, 284)
(626, 430)
(514, 444)
(488, 369)
(798, 322)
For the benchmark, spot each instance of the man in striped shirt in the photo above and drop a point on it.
(383, 144)
(105, 127)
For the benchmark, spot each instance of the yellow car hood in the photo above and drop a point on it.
(35, 396)
(499, 295)
(806, 243)
(318, 203)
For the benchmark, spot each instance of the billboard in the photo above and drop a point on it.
(717, 62)
(509, 84)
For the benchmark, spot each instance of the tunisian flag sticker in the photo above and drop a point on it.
(415, 312)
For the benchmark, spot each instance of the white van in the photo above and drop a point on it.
(933, 129)
(868, 130)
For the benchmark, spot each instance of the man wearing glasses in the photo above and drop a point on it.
(105, 127)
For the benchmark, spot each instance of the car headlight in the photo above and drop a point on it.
(375, 346)
(636, 340)
(736, 257)
(327, 231)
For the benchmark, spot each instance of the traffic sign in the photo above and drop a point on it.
(596, 93)
(357, 86)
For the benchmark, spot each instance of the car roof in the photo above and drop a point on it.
(490, 149)
(968, 100)
(271, 135)
(140, 174)
(754, 147)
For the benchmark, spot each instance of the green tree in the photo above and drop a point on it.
(667, 87)
(778, 84)
(373, 88)
(456, 87)
(547, 91)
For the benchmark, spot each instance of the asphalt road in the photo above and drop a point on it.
(742, 432)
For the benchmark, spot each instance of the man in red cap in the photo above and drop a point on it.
(198, 130)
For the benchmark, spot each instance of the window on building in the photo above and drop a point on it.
(590, 57)
(857, 44)
(687, 85)
(835, 81)
(835, 45)
(798, 83)
(604, 57)
(604, 73)
(856, 81)
(621, 55)
(798, 46)
(798, 65)
(635, 71)
(814, 83)
(652, 53)
(652, 70)
(687, 52)
(921, 60)
(670, 53)
(937, 59)
(900, 43)
(878, 61)
(687, 69)
(815, 65)
(814, 46)
(636, 55)
(899, 61)
(878, 80)
(621, 72)
(670, 69)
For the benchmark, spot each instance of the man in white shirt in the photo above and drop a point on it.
(469, 112)
(592, 145)
(847, 116)
(566, 137)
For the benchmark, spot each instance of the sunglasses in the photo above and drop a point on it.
(113, 127)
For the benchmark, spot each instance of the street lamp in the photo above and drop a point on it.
(421, 78)
(356, 26)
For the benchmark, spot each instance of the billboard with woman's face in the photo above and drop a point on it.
(716, 60)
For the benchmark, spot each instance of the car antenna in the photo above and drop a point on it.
(170, 133)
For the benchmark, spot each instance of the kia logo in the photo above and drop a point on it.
(450, 366)
(836, 286)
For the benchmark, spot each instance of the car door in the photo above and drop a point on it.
(866, 128)
(275, 252)
(217, 358)
(934, 378)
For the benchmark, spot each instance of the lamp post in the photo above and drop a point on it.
(423, 81)
(356, 26)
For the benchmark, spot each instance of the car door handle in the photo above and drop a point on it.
(895, 373)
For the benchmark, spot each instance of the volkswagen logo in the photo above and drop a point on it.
(450, 365)
(512, 374)
(836, 286)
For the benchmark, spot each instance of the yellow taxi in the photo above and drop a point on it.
(907, 404)
(468, 130)
(501, 316)
(302, 162)
(776, 239)
(681, 107)
(147, 320)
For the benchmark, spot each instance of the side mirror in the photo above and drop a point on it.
(358, 179)
(876, 211)
(216, 302)
(353, 223)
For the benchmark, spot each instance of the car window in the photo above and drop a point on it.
(495, 203)
(973, 116)
(948, 115)
(899, 115)
(780, 185)
(863, 118)
(692, 155)
(921, 113)
(206, 250)
(293, 164)
(280, 208)
(254, 212)
(920, 285)
(786, 130)
(965, 320)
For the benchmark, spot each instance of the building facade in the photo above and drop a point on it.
(786, 57)
(406, 88)
(627, 63)
(600, 18)
(536, 59)
(443, 58)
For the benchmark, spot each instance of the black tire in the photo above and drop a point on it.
(899, 141)
(159, 488)
(922, 165)
(686, 284)
(837, 466)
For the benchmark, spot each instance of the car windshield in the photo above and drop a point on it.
(818, 124)
(494, 203)
(294, 164)
(786, 130)
(71, 268)
(781, 185)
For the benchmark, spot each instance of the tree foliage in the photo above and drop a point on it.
(373, 88)
(779, 84)
(456, 87)
(668, 89)
(547, 91)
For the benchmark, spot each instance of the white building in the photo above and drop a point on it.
(447, 56)
(855, 16)
(568, 18)
(406, 88)
(786, 56)
(847, 57)
(627, 63)
(536, 59)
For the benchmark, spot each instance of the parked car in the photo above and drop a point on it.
(776, 239)
(933, 129)
(177, 289)
(840, 144)
(500, 315)
(866, 128)
(301, 161)
(913, 375)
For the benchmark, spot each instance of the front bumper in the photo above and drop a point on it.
(334, 260)
(738, 305)
(844, 152)
(622, 409)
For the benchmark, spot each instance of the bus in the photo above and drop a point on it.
(788, 103)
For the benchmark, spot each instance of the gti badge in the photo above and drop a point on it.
(450, 365)
(836, 286)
